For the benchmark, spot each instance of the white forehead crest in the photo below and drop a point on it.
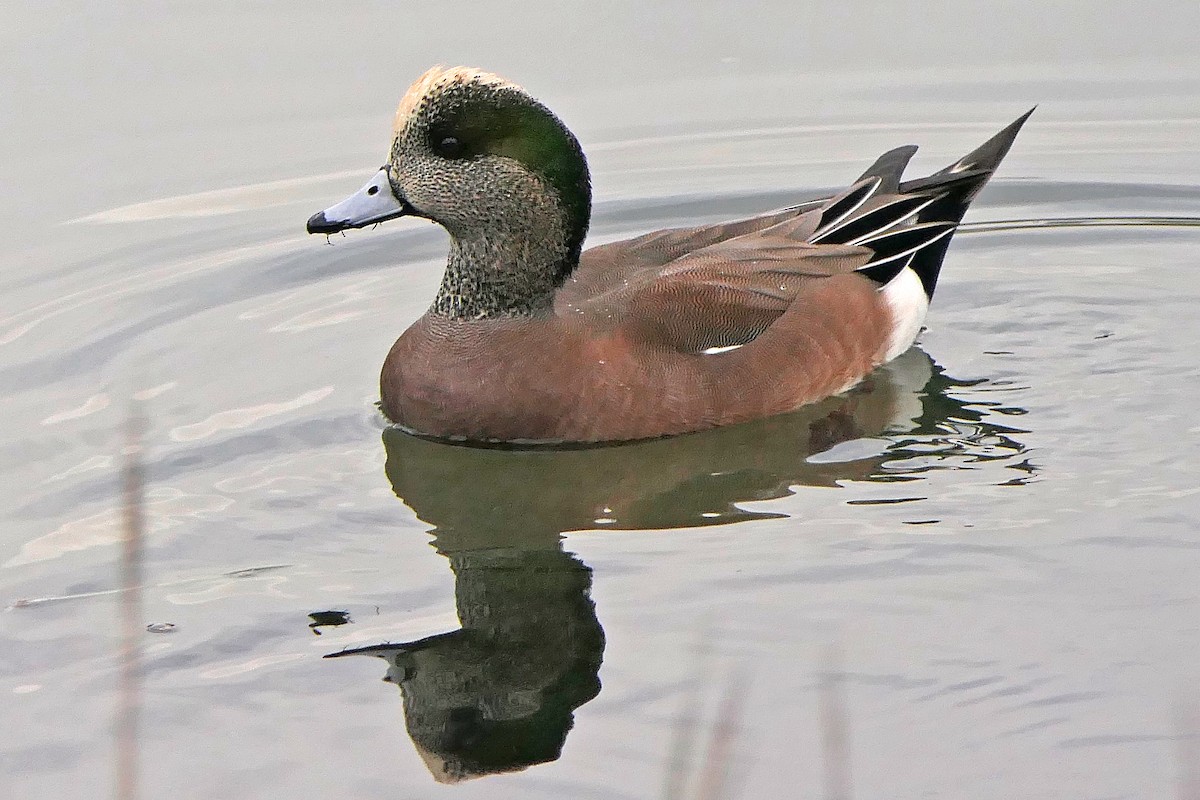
(435, 80)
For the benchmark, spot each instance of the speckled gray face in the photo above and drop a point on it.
(471, 148)
(510, 184)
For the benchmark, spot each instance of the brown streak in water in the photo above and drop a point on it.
(683, 741)
(835, 740)
(1187, 752)
(128, 708)
(718, 758)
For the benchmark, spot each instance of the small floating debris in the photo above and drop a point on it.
(161, 627)
(322, 618)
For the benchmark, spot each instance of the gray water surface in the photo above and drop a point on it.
(999, 532)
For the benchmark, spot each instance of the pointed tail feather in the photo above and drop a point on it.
(989, 154)
(890, 217)
(889, 167)
(980, 162)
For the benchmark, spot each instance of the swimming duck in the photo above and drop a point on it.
(532, 339)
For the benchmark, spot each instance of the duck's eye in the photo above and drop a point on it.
(448, 147)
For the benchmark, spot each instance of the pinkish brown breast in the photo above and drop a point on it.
(563, 379)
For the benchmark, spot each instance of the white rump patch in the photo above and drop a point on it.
(906, 299)
(712, 351)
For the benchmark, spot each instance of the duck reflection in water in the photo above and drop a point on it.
(499, 694)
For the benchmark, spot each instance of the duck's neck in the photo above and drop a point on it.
(511, 265)
(485, 278)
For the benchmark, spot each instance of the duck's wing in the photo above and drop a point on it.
(728, 293)
(692, 296)
(608, 266)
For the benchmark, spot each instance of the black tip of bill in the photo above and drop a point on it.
(318, 224)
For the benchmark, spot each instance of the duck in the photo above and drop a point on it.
(532, 339)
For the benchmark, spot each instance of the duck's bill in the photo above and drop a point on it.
(374, 202)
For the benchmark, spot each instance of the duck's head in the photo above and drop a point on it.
(481, 157)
